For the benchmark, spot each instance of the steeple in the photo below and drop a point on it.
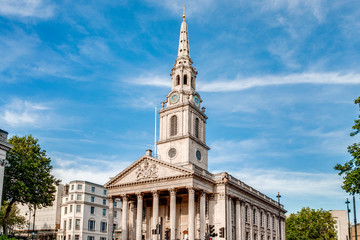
(182, 137)
(184, 50)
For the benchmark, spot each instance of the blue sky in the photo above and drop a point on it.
(278, 79)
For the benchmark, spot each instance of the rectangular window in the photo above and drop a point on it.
(79, 197)
(92, 189)
(91, 238)
(70, 223)
(71, 197)
(104, 212)
(104, 201)
(103, 226)
(91, 225)
(65, 210)
(92, 199)
(92, 210)
(78, 208)
(104, 191)
(115, 204)
(102, 238)
(79, 187)
(77, 224)
(115, 214)
(77, 237)
(64, 225)
(69, 237)
(72, 187)
(70, 209)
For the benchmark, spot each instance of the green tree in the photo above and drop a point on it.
(15, 220)
(28, 179)
(351, 169)
(310, 224)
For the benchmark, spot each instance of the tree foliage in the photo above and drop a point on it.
(28, 179)
(310, 224)
(351, 169)
(15, 220)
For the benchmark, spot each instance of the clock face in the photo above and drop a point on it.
(198, 155)
(172, 152)
(174, 98)
(196, 101)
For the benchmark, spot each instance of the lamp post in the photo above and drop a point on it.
(278, 197)
(355, 217)
(348, 212)
(36, 193)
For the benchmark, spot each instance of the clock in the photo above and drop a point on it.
(197, 101)
(174, 98)
(172, 152)
(198, 155)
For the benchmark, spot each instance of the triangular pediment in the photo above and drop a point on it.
(146, 169)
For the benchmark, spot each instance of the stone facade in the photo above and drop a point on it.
(4, 148)
(342, 224)
(47, 219)
(85, 210)
(175, 190)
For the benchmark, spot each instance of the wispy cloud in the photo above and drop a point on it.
(22, 112)
(292, 182)
(27, 8)
(240, 83)
(151, 80)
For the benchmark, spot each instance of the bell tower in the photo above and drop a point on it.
(182, 137)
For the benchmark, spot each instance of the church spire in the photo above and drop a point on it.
(184, 50)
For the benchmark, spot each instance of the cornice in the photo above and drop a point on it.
(182, 137)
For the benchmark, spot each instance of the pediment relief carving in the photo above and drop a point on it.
(147, 171)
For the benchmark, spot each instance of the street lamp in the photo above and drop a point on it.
(278, 197)
(36, 193)
(355, 217)
(348, 212)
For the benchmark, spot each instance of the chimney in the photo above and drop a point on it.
(149, 152)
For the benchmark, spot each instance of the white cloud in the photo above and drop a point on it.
(291, 182)
(240, 83)
(151, 80)
(26, 8)
(21, 113)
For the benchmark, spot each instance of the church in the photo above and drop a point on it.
(171, 194)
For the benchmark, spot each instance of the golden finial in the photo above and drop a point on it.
(184, 12)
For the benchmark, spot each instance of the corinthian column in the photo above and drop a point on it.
(139, 216)
(111, 218)
(191, 214)
(172, 213)
(155, 211)
(238, 217)
(124, 216)
(202, 215)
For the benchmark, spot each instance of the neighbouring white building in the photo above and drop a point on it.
(174, 188)
(84, 212)
(342, 224)
(47, 219)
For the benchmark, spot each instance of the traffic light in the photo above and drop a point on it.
(212, 231)
(222, 232)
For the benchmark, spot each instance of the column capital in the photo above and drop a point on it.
(191, 190)
(155, 193)
(125, 197)
(172, 191)
(139, 195)
(203, 193)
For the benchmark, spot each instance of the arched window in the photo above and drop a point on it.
(254, 216)
(177, 80)
(261, 219)
(173, 125)
(196, 127)
(246, 214)
(185, 79)
(273, 222)
(192, 82)
(267, 221)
